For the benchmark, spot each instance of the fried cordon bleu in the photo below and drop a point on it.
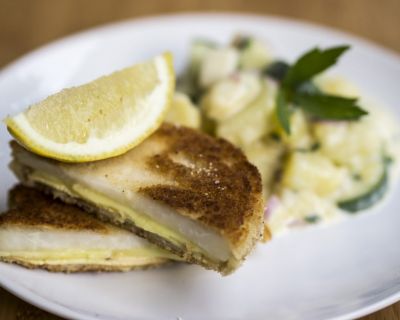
(40, 232)
(189, 193)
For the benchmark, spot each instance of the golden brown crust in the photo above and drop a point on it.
(30, 207)
(267, 234)
(73, 268)
(216, 185)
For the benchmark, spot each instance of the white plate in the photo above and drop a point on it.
(340, 272)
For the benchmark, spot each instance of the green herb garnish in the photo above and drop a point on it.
(310, 64)
(329, 107)
(312, 218)
(242, 42)
(277, 70)
(316, 146)
(298, 90)
(275, 136)
(283, 110)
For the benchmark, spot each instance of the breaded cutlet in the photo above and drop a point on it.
(183, 190)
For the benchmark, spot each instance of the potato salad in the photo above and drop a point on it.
(323, 150)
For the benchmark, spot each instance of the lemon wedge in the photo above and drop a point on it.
(101, 119)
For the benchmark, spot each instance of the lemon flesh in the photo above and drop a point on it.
(100, 119)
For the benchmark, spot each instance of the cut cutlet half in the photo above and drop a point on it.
(183, 190)
(40, 232)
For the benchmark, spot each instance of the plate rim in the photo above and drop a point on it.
(59, 309)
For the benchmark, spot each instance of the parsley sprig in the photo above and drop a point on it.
(297, 89)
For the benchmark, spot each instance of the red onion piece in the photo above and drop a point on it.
(271, 205)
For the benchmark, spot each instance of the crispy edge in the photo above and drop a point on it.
(74, 268)
(31, 208)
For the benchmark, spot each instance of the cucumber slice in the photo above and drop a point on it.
(372, 196)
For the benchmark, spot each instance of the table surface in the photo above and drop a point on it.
(26, 24)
